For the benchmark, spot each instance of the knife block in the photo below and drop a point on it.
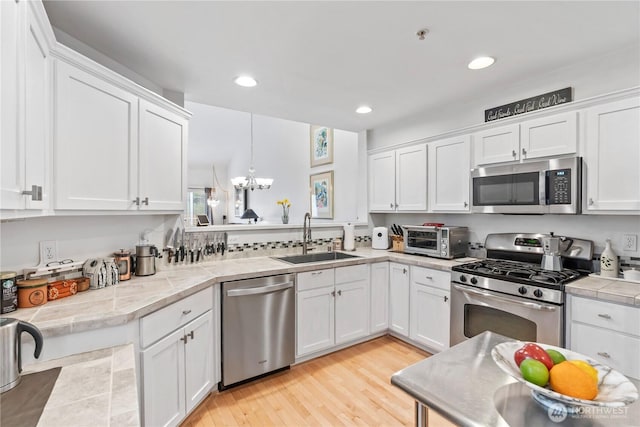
(397, 243)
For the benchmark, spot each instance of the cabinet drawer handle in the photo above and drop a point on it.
(316, 273)
(185, 312)
(604, 316)
(604, 354)
(428, 277)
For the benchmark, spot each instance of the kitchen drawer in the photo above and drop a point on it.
(618, 317)
(315, 279)
(166, 320)
(435, 278)
(352, 273)
(619, 351)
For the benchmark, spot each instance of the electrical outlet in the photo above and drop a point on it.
(630, 242)
(48, 251)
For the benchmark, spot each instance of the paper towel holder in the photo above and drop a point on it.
(348, 242)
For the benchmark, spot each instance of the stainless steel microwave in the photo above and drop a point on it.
(549, 186)
(436, 241)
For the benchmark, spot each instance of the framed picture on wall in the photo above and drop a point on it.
(321, 185)
(321, 145)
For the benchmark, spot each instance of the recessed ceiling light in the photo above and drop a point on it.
(245, 81)
(364, 109)
(481, 62)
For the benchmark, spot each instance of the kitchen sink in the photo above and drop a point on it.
(317, 257)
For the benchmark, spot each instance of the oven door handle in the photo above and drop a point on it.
(534, 305)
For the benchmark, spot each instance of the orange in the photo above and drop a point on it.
(568, 379)
(586, 367)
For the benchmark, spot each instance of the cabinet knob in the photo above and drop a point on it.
(145, 201)
(333, 293)
(604, 316)
(35, 193)
(513, 153)
(590, 201)
(465, 204)
(391, 205)
(137, 201)
(524, 152)
(604, 354)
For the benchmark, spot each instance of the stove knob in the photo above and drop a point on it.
(537, 293)
(474, 280)
(463, 278)
(522, 290)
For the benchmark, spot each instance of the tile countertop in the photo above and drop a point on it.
(135, 298)
(94, 388)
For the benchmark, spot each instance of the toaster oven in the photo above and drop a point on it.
(435, 241)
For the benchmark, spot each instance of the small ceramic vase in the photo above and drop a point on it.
(609, 262)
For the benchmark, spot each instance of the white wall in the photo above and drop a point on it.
(281, 151)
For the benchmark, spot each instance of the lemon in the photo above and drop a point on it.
(587, 368)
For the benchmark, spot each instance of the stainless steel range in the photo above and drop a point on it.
(511, 294)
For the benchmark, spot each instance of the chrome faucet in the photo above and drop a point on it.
(306, 233)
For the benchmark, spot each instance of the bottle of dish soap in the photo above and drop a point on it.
(609, 266)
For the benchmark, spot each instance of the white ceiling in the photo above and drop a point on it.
(317, 61)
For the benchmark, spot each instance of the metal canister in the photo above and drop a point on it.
(9, 295)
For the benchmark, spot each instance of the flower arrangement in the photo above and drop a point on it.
(286, 204)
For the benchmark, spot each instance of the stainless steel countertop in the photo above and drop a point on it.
(465, 386)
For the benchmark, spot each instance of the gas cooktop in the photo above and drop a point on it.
(518, 272)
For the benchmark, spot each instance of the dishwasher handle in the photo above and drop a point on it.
(260, 289)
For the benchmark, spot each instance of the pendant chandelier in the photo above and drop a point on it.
(250, 181)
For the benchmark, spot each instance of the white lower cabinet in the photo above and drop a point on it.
(379, 298)
(178, 369)
(430, 307)
(607, 332)
(332, 308)
(399, 298)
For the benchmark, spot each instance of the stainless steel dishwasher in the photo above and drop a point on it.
(258, 327)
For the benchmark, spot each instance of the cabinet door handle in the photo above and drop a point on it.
(404, 271)
(190, 334)
(35, 193)
(604, 316)
(184, 339)
(524, 152)
(604, 354)
(396, 206)
(340, 293)
(513, 153)
(333, 293)
(185, 312)
(391, 205)
(145, 201)
(590, 201)
(137, 201)
(465, 204)
(446, 298)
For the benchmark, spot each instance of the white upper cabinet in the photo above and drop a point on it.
(495, 145)
(449, 174)
(162, 158)
(612, 156)
(547, 136)
(95, 142)
(398, 180)
(25, 62)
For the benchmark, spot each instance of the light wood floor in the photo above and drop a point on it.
(345, 388)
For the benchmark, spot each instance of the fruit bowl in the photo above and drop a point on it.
(614, 389)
